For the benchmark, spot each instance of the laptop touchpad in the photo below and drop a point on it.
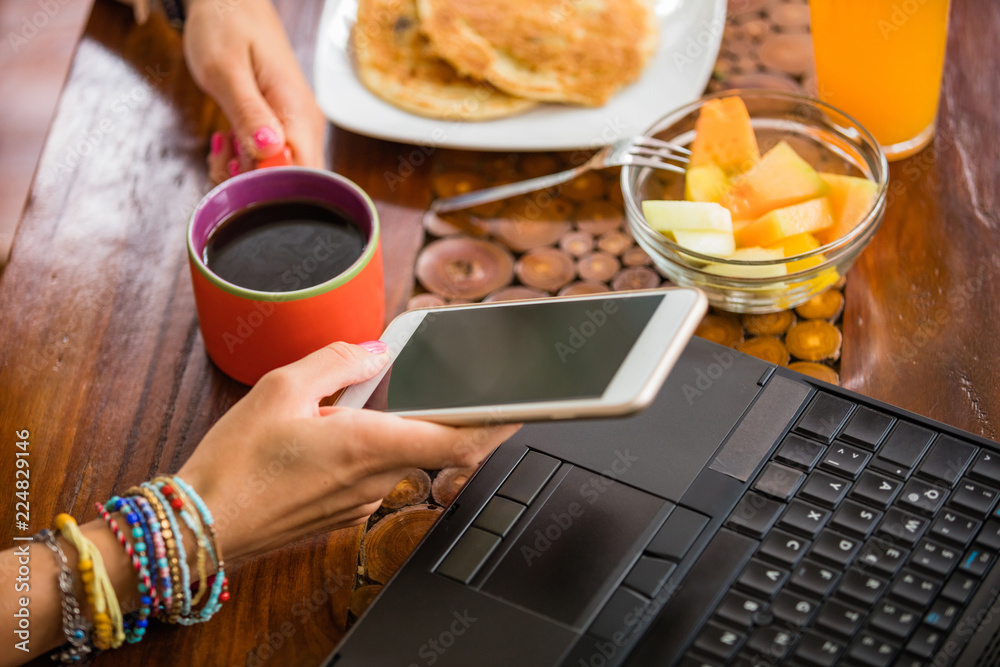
(572, 550)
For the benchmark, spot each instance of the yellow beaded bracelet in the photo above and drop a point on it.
(109, 630)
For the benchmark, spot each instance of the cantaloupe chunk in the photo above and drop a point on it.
(705, 183)
(796, 245)
(719, 244)
(850, 200)
(809, 216)
(750, 254)
(667, 215)
(724, 136)
(780, 179)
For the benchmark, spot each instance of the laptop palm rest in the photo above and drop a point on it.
(584, 534)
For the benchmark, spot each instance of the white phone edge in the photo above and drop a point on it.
(674, 320)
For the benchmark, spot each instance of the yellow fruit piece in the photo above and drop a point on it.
(667, 215)
(809, 216)
(724, 136)
(851, 198)
(780, 179)
(719, 244)
(705, 184)
(746, 271)
(796, 245)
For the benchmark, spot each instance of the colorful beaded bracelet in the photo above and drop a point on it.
(171, 580)
(220, 583)
(135, 628)
(158, 555)
(182, 593)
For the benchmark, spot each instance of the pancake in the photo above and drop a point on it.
(395, 62)
(576, 51)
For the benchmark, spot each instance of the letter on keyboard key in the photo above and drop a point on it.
(937, 558)
(987, 467)
(903, 527)
(804, 518)
(876, 488)
(815, 578)
(894, 619)
(825, 489)
(835, 548)
(883, 557)
(914, 588)
(923, 497)
(819, 651)
(762, 579)
(925, 641)
(721, 642)
(772, 643)
(974, 497)
(739, 608)
(870, 650)
(824, 417)
(840, 618)
(856, 518)
(784, 548)
(958, 528)
(795, 609)
(861, 586)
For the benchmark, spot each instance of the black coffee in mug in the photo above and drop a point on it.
(284, 245)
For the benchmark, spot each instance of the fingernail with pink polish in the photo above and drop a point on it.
(374, 346)
(234, 167)
(216, 143)
(265, 137)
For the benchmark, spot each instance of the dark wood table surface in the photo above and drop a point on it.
(101, 358)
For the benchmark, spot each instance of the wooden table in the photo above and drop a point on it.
(101, 359)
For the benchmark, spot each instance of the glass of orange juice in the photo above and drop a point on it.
(881, 62)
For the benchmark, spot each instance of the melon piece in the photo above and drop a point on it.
(796, 245)
(809, 216)
(724, 136)
(750, 254)
(850, 200)
(780, 179)
(667, 215)
(707, 183)
(719, 244)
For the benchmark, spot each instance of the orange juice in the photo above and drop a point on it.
(881, 62)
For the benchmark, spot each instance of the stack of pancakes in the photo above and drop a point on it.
(483, 59)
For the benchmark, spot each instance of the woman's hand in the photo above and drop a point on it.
(278, 467)
(238, 54)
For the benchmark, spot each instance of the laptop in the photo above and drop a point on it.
(750, 516)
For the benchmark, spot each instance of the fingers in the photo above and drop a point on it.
(288, 93)
(323, 372)
(258, 131)
(384, 442)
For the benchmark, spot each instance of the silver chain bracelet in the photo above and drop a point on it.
(75, 626)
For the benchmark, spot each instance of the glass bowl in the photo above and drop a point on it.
(827, 138)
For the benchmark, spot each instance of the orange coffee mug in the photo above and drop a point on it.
(249, 332)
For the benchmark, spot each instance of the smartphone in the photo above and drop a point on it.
(597, 355)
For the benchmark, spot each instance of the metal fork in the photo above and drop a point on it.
(639, 151)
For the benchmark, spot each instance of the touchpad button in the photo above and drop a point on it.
(563, 562)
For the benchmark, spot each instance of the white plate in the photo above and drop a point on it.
(690, 34)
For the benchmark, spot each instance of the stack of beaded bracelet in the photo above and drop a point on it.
(150, 533)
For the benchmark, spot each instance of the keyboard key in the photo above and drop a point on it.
(739, 609)
(872, 651)
(719, 641)
(649, 574)
(499, 516)
(947, 460)
(987, 467)
(623, 606)
(755, 514)
(862, 587)
(804, 518)
(818, 650)
(840, 618)
(906, 444)
(990, 535)
(910, 660)
(528, 478)
(688, 661)
(939, 559)
(779, 481)
(784, 548)
(867, 428)
(797, 451)
(894, 619)
(975, 497)
(883, 557)
(942, 615)
(856, 518)
(977, 561)
(772, 643)
(468, 555)
(914, 588)
(960, 588)
(903, 526)
(844, 460)
(762, 578)
(923, 497)
(677, 534)
(814, 578)
(825, 489)
(876, 488)
(824, 417)
(958, 528)
(835, 548)
(925, 642)
(794, 609)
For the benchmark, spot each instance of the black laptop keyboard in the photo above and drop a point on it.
(873, 535)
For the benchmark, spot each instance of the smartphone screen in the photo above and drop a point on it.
(545, 351)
